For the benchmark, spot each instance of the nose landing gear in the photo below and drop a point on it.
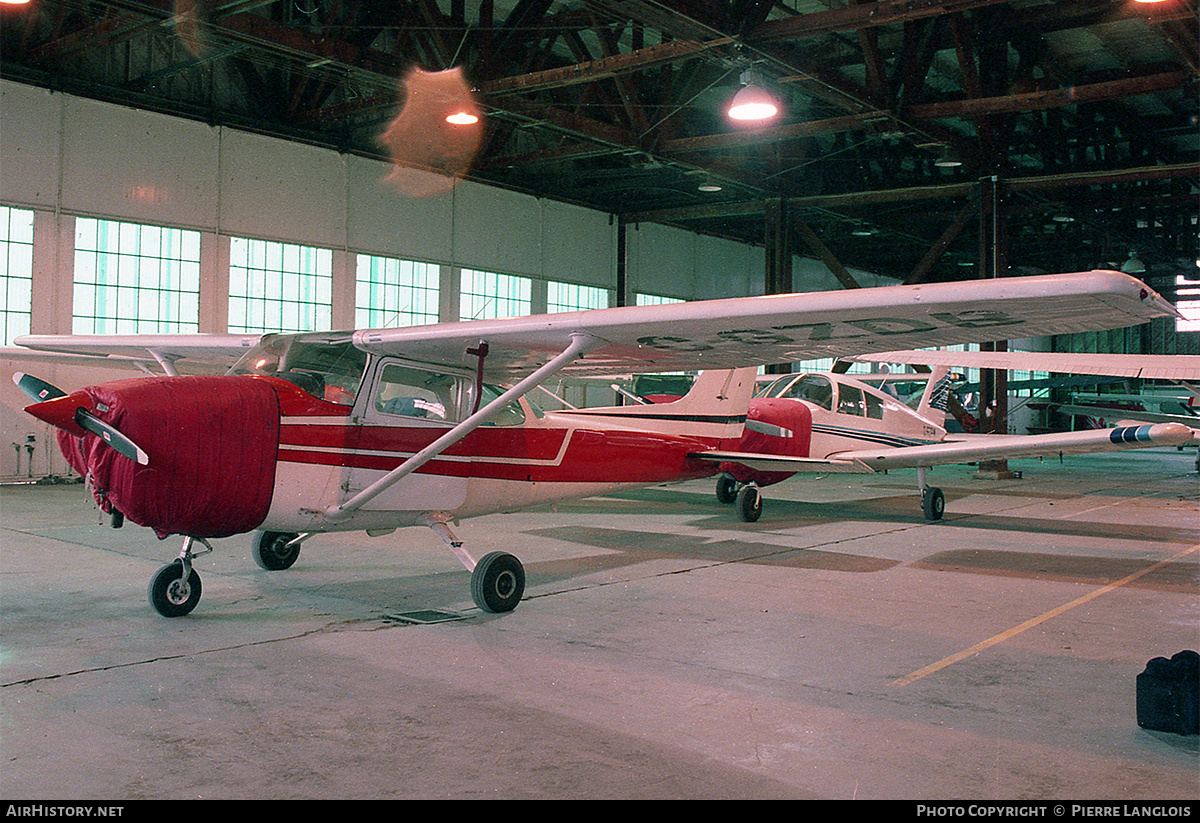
(175, 590)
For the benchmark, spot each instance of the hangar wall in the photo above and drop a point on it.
(65, 157)
(73, 156)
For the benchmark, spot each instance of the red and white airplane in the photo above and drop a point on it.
(378, 429)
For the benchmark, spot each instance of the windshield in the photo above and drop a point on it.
(814, 388)
(327, 366)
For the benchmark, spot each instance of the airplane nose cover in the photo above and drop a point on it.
(212, 443)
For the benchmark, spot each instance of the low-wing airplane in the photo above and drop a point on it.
(828, 423)
(1180, 368)
(383, 428)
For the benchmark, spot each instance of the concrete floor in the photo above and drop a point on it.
(841, 647)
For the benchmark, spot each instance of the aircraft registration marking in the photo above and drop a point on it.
(857, 329)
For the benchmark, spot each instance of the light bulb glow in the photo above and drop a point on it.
(752, 103)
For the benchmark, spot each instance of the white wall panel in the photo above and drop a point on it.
(661, 260)
(282, 191)
(129, 164)
(497, 230)
(813, 275)
(727, 269)
(579, 245)
(29, 123)
(382, 220)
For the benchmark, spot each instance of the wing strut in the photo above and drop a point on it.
(581, 344)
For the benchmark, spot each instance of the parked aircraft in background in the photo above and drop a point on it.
(828, 423)
(382, 428)
(1146, 407)
(1178, 367)
(1183, 369)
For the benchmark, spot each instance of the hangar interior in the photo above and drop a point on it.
(839, 648)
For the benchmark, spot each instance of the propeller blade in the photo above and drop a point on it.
(70, 412)
(36, 388)
(111, 436)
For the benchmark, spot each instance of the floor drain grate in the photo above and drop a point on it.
(423, 616)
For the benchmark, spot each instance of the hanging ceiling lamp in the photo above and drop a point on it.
(752, 102)
(1133, 265)
(947, 159)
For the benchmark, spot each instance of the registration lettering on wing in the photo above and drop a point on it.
(821, 332)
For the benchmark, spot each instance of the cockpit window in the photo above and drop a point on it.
(812, 388)
(510, 415)
(415, 393)
(874, 405)
(427, 395)
(326, 366)
(850, 400)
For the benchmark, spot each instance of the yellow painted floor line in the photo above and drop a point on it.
(1034, 621)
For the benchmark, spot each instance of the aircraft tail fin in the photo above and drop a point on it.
(715, 407)
(937, 392)
(721, 397)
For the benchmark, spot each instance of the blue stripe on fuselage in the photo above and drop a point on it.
(881, 438)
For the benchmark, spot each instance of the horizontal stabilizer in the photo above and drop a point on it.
(779, 462)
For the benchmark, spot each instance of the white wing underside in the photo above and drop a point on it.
(717, 334)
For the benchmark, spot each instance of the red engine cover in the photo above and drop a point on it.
(212, 443)
(793, 421)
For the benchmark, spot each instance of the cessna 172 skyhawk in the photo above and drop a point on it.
(382, 428)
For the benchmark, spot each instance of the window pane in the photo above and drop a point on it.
(1187, 300)
(571, 297)
(489, 295)
(278, 287)
(16, 271)
(391, 292)
(122, 280)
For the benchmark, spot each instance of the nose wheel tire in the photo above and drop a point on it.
(171, 594)
(498, 582)
(272, 552)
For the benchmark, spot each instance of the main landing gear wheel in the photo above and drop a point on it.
(749, 503)
(173, 595)
(933, 502)
(272, 552)
(726, 489)
(498, 582)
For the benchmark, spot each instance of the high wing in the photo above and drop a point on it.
(1149, 366)
(967, 449)
(738, 332)
(212, 353)
(715, 334)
